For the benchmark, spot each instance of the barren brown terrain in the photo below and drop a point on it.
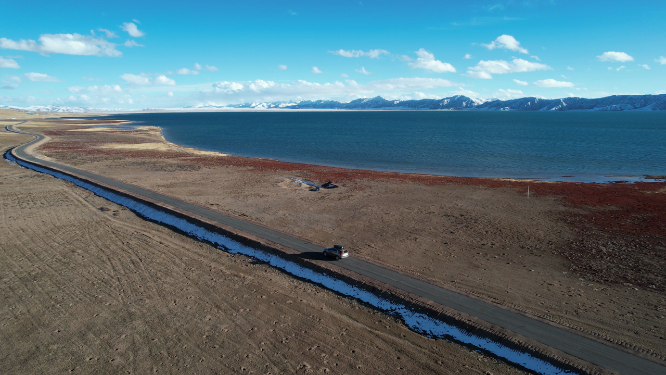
(89, 287)
(589, 257)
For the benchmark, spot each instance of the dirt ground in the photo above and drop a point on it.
(89, 287)
(573, 254)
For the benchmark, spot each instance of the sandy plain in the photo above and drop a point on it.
(587, 257)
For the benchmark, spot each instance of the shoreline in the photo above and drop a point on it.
(322, 172)
(591, 179)
(549, 177)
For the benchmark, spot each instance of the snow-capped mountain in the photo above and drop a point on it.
(458, 102)
(609, 103)
(256, 105)
(454, 102)
(253, 105)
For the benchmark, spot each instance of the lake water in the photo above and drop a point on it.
(565, 146)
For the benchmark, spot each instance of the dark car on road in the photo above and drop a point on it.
(337, 251)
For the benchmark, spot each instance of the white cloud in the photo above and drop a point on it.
(197, 66)
(506, 42)
(467, 56)
(426, 60)
(410, 84)
(90, 100)
(661, 92)
(106, 89)
(9, 63)
(69, 44)
(11, 82)
(508, 94)
(645, 66)
(661, 60)
(164, 80)
(615, 56)
(14, 79)
(170, 94)
(40, 77)
(569, 68)
(363, 71)
(132, 29)
(139, 80)
(535, 58)
(282, 67)
(522, 83)
(620, 68)
(484, 69)
(316, 70)
(343, 75)
(211, 68)
(228, 87)
(109, 34)
(373, 53)
(552, 83)
(186, 71)
(132, 43)
(144, 80)
(479, 74)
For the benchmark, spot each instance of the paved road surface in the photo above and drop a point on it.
(584, 348)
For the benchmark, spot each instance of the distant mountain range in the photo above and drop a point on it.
(458, 103)
(609, 103)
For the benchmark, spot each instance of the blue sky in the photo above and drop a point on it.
(134, 55)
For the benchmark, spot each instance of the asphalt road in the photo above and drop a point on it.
(581, 347)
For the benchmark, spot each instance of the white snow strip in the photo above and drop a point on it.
(420, 323)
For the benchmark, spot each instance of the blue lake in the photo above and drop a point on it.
(576, 146)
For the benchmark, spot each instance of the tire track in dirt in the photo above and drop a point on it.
(122, 266)
(127, 268)
(35, 256)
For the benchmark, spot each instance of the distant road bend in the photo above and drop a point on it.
(571, 343)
